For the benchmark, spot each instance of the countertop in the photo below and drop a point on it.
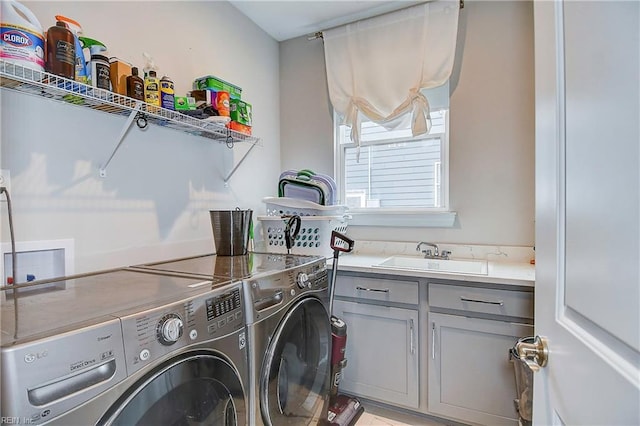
(506, 265)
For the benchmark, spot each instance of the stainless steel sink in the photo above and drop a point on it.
(456, 266)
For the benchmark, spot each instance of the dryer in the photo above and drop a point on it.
(290, 345)
(125, 348)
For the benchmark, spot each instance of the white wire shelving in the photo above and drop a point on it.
(33, 82)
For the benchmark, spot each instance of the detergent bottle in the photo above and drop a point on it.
(21, 36)
(135, 85)
(151, 81)
(99, 68)
(152, 89)
(61, 51)
(81, 73)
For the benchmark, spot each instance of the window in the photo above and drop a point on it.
(395, 169)
(396, 172)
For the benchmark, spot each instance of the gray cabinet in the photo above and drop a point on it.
(382, 338)
(470, 377)
(382, 352)
(438, 347)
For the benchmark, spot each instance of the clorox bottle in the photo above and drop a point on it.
(21, 36)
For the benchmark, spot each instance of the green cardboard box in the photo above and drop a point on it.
(214, 83)
(240, 111)
(184, 103)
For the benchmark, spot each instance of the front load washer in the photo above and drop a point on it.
(126, 348)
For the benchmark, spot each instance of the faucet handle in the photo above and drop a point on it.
(445, 254)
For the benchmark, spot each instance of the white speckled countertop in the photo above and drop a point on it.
(506, 265)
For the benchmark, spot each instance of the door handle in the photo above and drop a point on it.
(412, 348)
(533, 351)
(433, 340)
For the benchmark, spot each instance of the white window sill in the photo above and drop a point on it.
(406, 219)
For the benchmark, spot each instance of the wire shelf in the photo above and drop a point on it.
(34, 82)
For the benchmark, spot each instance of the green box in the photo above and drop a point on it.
(184, 103)
(214, 83)
(240, 111)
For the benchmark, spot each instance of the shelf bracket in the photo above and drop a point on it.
(123, 132)
(226, 180)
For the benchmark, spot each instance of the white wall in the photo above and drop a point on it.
(492, 126)
(306, 115)
(154, 202)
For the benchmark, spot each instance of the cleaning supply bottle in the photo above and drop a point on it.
(99, 68)
(135, 85)
(81, 66)
(21, 36)
(167, 94)
(152, 89)
(149, 64)
(61, 51)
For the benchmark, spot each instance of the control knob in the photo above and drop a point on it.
(170, 329)
(303, 280)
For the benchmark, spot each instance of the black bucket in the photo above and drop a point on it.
(231, 231)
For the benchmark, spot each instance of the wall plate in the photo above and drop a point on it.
(5, 180)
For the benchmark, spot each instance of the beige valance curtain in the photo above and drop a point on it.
(376, 67)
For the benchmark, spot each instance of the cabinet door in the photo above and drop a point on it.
(471, 377)
(382, 352)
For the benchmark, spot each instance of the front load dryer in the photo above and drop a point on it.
(289, 345)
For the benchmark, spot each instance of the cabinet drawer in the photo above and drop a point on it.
(396, 291)
(484, 300)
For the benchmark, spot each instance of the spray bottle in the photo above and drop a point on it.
(81, 72)
(99, 69)
(151, 81)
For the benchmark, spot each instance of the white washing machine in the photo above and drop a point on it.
(287, 304)
(125, 348)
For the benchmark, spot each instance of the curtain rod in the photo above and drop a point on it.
(318, 34)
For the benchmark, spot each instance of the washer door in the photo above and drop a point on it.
(195, 389)
(295, 378)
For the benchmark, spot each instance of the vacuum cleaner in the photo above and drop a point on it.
(343, 410)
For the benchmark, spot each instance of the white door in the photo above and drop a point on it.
(587, 56)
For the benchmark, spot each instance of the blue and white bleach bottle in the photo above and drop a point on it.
(22, 38)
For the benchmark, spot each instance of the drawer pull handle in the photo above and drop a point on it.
(488, 302)
(379, 290)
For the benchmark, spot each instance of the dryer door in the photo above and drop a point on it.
(196, 389)
(295, 379)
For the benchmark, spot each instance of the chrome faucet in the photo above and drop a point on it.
(428, 254)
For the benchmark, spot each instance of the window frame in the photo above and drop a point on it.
(409, 216)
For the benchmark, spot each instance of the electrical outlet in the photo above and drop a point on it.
(5, 180)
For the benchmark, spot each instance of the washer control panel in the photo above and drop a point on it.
(151, 334)
(169, 329)
(266, 294)
(315, 278)
(223, 310)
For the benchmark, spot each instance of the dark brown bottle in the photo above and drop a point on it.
(61, 51)
(135, 85)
